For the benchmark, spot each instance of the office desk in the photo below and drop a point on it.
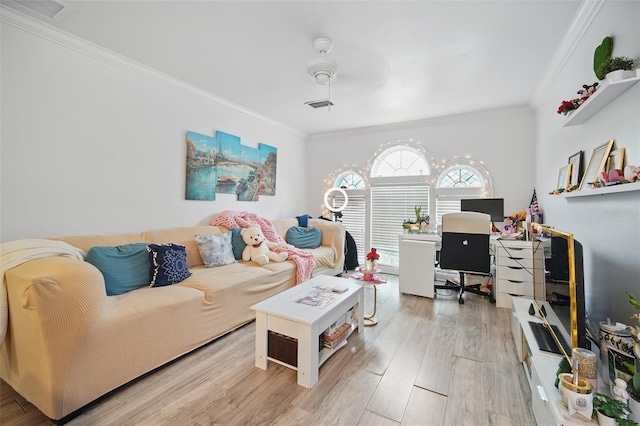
(416, 274)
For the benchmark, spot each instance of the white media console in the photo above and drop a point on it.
(541, 366)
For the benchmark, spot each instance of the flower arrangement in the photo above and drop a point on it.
(512, 222)
(373, 255)
(568, 106)
(370, 267)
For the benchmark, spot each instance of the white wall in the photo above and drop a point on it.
(608, 226)
(93, 144)
(90, 146)
(503, 140)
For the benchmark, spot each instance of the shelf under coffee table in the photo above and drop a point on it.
(282, 314)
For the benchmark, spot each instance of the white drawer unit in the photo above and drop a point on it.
(515, 271)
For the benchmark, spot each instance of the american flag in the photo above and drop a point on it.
(535, 208)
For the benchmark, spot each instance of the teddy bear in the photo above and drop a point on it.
(258, 248)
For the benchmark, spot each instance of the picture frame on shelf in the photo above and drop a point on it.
(616, 160)
(596, 165)
(564, 177)
(576, 168)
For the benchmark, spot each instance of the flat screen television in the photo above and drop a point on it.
(563, 280)
(494, 207)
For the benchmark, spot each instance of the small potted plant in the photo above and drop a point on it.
(417, 210)
(633, 387)
(421, 220)
(614, 68)
(610, 412)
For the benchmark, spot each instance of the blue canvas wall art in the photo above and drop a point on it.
(221, 164)
(201, 171)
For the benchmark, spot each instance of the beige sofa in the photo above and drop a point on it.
(69, 343)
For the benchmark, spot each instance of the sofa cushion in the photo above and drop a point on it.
(183, 236)
(305, 238)
(124, 267)
(283, 225)
(168, 264)
(216, 250)
(237, 242)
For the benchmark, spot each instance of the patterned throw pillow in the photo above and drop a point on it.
(216, 250)
(168, 264)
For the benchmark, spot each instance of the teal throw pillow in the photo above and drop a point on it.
(237, 242)
(124, 267)
(168, 264)
(216, 250)
(305, 238)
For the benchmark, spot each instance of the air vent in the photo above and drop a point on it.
(48, 8)
(319, 104)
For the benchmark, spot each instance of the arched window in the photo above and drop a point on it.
(461, 178)
(401, 176)
(399, 182)
(400, 160)
(350, 180)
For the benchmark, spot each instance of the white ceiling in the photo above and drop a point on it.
(399, 60)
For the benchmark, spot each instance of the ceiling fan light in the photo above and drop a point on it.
(322, 69)
(322, 78)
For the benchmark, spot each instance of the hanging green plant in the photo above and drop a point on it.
(602, 53)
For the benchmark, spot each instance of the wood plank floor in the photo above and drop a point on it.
(427, 362)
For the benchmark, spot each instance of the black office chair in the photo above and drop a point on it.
(465, 248)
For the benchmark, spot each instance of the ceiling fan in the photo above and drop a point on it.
(324, 70)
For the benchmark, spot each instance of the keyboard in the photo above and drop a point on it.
(545, 339)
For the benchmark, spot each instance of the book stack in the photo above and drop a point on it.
(335, 339)
(336, 325)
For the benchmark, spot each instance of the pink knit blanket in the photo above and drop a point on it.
(303, 259)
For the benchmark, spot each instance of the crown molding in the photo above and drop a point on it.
(583, 19)
(62, 38)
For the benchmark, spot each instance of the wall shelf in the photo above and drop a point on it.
(624, 187)
(607, 92)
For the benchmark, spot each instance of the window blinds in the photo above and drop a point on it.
(390, 206)
(446, 204)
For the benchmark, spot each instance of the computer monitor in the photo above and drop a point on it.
(494, 207)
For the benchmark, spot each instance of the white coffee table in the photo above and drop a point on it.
(281, 314)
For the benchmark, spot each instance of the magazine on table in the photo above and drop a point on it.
(320, 296)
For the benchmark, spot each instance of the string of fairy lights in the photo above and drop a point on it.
(438, 167)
